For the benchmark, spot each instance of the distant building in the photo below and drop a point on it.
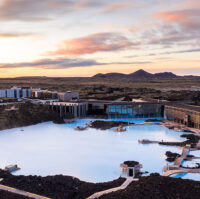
(11, 93)
(69, 109)
(44, 94)
(184, 114)
(3, 93)
(16, 92)
(68, 96)
(37, 94)
(26, 92)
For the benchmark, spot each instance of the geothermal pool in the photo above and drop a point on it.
(91, 155)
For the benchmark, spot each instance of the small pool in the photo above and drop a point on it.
(190, 176)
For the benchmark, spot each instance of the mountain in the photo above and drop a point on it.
(141, 74)
(165, 75)
(109, 75)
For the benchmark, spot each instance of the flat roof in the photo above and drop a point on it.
(131, 163)
(121, 102)
(186, 107)
(67, 103)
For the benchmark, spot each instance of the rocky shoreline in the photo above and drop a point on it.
(171, 156)
(104, 125)
(157, 187)
(66, 187)
(190, 139)
(58, 186)
(9, 195)
(26, 114)
(179, 127)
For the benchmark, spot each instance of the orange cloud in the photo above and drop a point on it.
(13, 35)
(115, 7)
(93, 43)
(172, 16)
(188, 18)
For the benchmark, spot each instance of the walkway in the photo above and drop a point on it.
(182, 157)
(177, 164)
(172, 172)
(22, 193)
(123, 186)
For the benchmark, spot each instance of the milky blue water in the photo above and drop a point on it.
(91, 155)
(192, 163)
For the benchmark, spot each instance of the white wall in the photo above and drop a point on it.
(24, 92)
(2, 93)
(10, 93)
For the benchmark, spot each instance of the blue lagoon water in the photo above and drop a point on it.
(91, 155)
(192, 163)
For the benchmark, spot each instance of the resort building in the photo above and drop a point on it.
(68, 96)
(126, 109)
(69, 110)
(110, 109)
(184, 114)
(2, 93)
(15, 92)
(131, 168)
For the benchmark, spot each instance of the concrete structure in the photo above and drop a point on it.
(188, 115)
(45, 102)
(131, 168)
(68, 96)
(70, 110)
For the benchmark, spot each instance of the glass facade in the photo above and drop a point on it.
(120, 109)
(134, 110)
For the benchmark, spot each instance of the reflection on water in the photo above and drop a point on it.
(91, 155)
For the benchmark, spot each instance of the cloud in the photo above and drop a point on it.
(187, 18)
(42, 10)
(62, 63)
(175, 52)
(134, 62)
(34, 10)
(182, 51)
(93, 43)
(115, 7)
(59, 63)
(88, 3)
(170, 39)
(177, 27)
(15, 34)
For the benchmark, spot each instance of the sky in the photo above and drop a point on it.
(85, 37)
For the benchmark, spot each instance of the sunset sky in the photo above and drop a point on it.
(85, 37)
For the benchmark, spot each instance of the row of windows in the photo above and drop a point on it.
(120, 109)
